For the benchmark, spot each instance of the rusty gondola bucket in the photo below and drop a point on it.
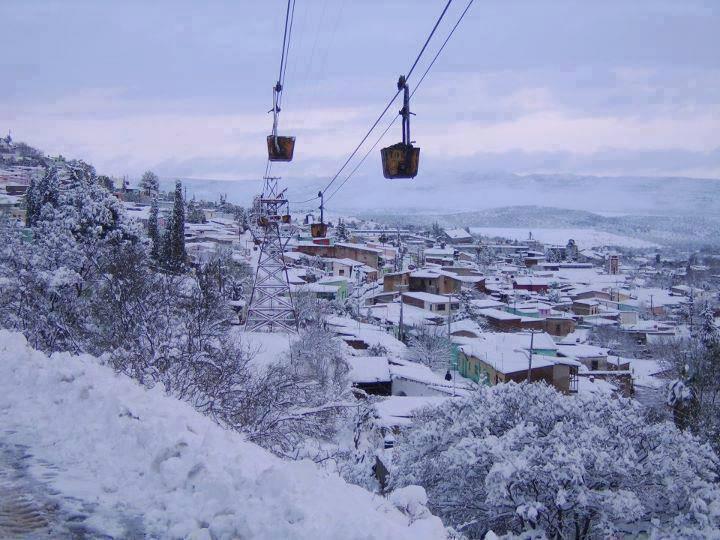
(318, 230)
(400, 161)
(280, 148)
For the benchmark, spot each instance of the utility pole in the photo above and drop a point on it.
(401, 331)
(322, 206)
(452, 362)
(532, 338)
(652, 307)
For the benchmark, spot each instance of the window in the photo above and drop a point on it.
(341, 272)
(441, 307)
(594, 365)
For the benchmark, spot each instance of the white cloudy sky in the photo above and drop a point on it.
(182, 87)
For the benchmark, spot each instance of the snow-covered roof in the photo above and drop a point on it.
(399, 410)
(581, 350)
(457, 234)
(429, 297)
(368, 369)
(499, 315)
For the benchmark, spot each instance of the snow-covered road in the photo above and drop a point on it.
(30, 508)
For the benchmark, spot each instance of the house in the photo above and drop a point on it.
(494, 358)
(430, 302)
(434, 282)
(457, 236)
(443, 256)
(594, 358)
(371, 374)
(585, 308)
(501, 320)
(357, 252)
(538, 285)
(396, 281)
(435, 303)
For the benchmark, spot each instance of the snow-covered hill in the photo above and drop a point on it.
(135, 463)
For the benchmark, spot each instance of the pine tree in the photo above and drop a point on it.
(177, 230)
(31, 209)
(153, 230)
(150, 183)
(341, 231)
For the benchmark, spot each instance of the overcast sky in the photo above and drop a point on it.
(609, 87)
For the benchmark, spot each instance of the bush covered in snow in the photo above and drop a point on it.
(525, 459)
(86, 283)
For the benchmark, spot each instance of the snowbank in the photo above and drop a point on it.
(132, 452)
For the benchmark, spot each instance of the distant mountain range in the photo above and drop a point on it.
(465, 192)
(668, 211)
(678, 230)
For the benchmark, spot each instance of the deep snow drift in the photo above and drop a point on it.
(149, 464)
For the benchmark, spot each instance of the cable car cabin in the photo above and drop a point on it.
(280, 148)
(318, 230)
(400, 161)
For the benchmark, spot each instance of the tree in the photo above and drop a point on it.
(430, 345)
(150, 183)
(195, 213)
(341, 231)
(437, 231)
(526, 460)
(79, 232)
(106, 182)
(154, 229)
(174, 240)
(694, 394)
(241, 216)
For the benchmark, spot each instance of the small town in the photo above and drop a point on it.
(447, 348)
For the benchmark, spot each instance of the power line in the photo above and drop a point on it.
(392, 100)
(287, 52)
(428, 39)
(285, 40)
(417, 86)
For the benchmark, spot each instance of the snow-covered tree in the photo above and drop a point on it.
(195, 213)
(694, 394)
(341, 231)
(241, 216)
(150, 183)
(79, 230)
(174, 237)
(526, 460)
(430, 346)
(154, 228)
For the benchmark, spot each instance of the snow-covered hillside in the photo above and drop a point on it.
(584, 237)
(142, 464)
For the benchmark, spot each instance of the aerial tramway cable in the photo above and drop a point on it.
(392, 122)
(281, 148)
(392, 100)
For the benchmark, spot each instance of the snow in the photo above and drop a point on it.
(583, 237)
(367, 369)
(429, 298)
(129, 451)
(399, 410)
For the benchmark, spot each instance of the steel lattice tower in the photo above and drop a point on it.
(271, 307)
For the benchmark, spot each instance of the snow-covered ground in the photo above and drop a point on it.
(141, 464)
(585, 238)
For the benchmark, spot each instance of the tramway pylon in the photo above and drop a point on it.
(271, 306)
